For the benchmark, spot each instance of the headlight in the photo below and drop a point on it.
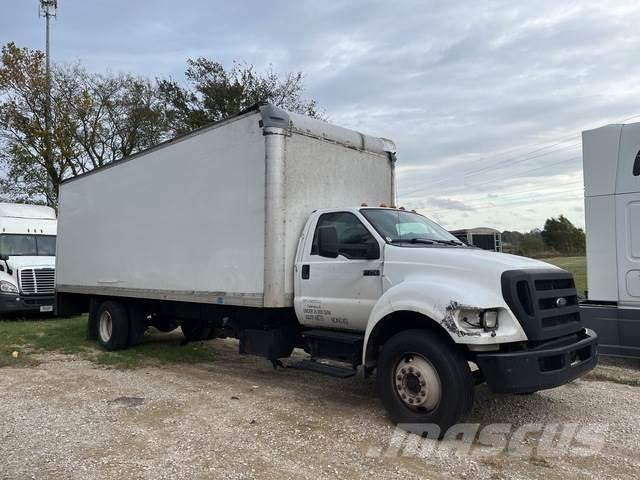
(485, 319)
(490, 320)
(7, 287)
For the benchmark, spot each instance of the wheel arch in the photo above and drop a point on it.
(396, 322)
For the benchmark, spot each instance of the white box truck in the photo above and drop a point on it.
(258, 228)
(611, 160)
(27, 258)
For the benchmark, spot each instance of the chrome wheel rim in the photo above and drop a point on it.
(417, 383)
(105, 326)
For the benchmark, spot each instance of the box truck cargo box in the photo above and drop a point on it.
(215, 216)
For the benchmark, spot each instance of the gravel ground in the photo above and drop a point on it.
(237, 418)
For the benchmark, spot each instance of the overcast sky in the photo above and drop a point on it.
(485, 100)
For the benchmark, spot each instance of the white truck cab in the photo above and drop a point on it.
(611, 160)
(267, 245)
(27, 258)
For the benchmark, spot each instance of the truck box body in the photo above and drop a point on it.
(214, 216)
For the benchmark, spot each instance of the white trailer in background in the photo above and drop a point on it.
(611, 158)
(27, 258)
(257, 228)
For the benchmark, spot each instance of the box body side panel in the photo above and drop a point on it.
(186, 219)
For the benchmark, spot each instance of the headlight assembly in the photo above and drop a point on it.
(7, 287)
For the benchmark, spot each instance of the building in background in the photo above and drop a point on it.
(481, 237)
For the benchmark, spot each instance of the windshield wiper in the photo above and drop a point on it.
(448, 242)
(426, 241)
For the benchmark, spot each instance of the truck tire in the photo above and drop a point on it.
(113, 325)
(421, 379)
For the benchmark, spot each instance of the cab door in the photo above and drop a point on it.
(340, 292)
(627, 204)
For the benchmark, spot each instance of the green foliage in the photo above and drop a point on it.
(563, 236)
(214, 93)
(98, 119)
(559, 237)
(68, 336)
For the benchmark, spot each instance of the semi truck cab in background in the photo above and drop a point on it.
(611, 161)
(27, 258)
(281, 231)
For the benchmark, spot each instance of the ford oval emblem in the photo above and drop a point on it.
(561, 302)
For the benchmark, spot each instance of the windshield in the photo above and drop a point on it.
(397, 226)
(28, 245)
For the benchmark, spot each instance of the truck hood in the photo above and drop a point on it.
(463, 258)
(454, 264)
(19, 261)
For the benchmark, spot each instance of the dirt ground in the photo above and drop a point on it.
(238, 418)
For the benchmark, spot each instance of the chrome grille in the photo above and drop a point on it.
(37, 280)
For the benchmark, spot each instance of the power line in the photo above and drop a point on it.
(519, 159)
(510, 161)
(522, 173)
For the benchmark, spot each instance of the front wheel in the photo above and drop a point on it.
(423, 379)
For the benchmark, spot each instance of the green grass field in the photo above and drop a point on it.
(29, 337)
(576, 265)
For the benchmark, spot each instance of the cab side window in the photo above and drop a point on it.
(353, 237)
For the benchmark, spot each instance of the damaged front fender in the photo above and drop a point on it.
(451, 307)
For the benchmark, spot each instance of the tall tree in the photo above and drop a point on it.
(213, 93)
(34, 162)
(563, 236)
(95, 119)
(98, 119)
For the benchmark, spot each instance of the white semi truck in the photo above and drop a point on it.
(611, 158)
(27, 258)
(272, 228)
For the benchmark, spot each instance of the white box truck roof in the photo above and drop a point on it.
(215, 216)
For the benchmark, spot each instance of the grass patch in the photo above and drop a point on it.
(68, 336)
(576, 265)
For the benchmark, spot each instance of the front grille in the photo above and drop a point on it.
(544, 301)
(37, 281)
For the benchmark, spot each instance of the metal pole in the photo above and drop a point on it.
(48, 9)
(47, 116)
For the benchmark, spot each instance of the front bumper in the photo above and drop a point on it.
(539, 368)
(15, 302)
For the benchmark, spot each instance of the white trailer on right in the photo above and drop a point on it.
(611, 159)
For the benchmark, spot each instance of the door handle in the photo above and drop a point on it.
(305, 272)
(371, 273)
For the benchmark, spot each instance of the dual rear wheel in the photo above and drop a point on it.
(118, 325)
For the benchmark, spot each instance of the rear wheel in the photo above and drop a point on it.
(422, 379)
(113, 325)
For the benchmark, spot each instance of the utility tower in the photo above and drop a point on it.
(48, 9)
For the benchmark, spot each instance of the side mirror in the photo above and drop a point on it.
(373, 250)
(4, 257)
(328, 242)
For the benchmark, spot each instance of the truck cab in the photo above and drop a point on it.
(27, 258)
(383, 272)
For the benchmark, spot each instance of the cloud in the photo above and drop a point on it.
(448, 204)
(467, 90)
